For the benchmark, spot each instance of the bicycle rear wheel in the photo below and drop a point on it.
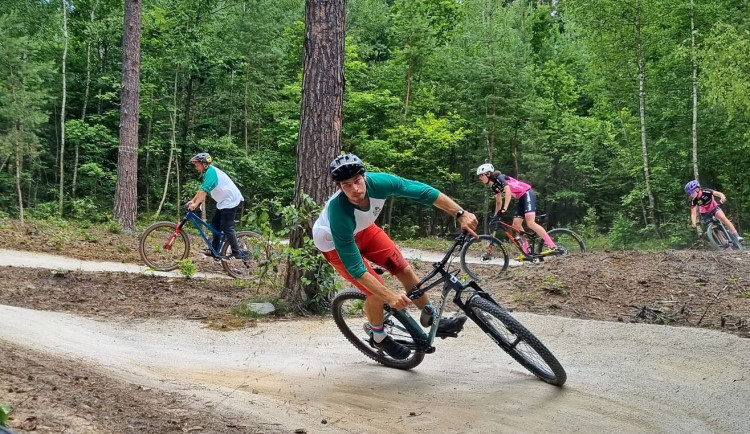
(251, 252)
(568, 242)
(161, 248)
(484, 255)
(347, 309)
(517, 341)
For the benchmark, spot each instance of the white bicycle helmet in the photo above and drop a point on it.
(484, 168)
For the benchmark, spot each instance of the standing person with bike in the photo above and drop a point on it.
(702, 201)
(346, 234)
(506, 187)
(227, 196)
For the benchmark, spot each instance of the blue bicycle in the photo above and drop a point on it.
(164, 244)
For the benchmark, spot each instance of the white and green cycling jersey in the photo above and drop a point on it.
(340, 220)
(221, 188)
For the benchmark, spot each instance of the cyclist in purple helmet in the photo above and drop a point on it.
(703, 200)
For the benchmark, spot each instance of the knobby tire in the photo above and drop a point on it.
(719, 237)
(487, 249)
(250, 242)
(151, 246)
(517, 341)
(569, 240)
(352, 321)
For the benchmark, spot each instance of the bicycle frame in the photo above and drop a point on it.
(450, 283)
(198, 223)
(511, 232)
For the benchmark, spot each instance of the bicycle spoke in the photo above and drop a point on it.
(348, 312)
(161, 248)
(518, 342)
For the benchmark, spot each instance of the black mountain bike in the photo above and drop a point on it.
(490, 251)
(478, 305)
(719, 237)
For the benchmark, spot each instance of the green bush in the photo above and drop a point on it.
(4, 413)
(623, 233)
(188, 268)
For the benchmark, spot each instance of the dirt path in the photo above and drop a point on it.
(92, 351)
(304, 375)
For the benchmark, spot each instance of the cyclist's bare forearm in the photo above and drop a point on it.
(396, 301)
(199, 197)
(722, 197)
(467, 220)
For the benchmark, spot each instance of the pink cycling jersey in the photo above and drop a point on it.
(517, 188)
(704, 201)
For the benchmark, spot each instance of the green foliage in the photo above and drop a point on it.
(60, 239)
(4, 413)
(113, 227)
(623, 232)
(545, 91)
(553, 286)
(275, 221)
(187, 268)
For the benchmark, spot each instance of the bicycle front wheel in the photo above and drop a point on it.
(484, 255)
(243, 264)
(518, 341)
(348, 312)
(568, 242)
(162, 248)
(717, 237)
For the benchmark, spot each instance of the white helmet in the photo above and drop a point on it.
(484, 168)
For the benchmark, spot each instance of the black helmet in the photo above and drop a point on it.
(346, 166)
(203, 157)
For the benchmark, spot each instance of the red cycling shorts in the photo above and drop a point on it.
(376, 247)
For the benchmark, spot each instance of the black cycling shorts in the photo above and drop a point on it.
(526, 203)
(708, 216)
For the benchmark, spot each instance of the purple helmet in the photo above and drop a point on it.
(691, 186)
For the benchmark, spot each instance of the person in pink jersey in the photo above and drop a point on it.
(506, 187)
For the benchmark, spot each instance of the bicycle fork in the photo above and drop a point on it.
(170, 241)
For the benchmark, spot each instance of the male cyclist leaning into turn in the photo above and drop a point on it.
(702, 200)
(345, 232)
(506, 187)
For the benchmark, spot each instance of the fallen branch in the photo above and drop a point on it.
(716, 298)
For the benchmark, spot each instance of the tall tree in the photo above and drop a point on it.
(126, 204)
(22, 98)
(320, 124)
(62, 109)
(694, 65)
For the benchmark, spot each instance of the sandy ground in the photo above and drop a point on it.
(138, 340)
(304, 375)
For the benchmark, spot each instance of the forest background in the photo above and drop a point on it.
(606, 107)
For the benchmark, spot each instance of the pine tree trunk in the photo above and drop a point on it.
(320, 125)
(126, 205)
(62, 110)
